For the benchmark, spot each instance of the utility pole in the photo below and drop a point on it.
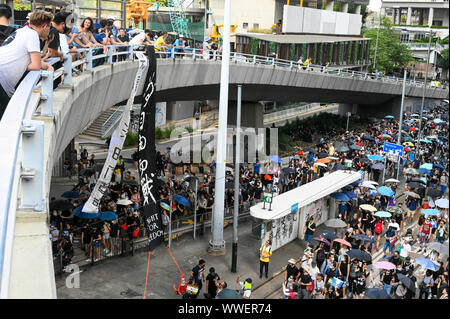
(217, 244)
(423, 94)
(376, 44)
(401, 118)
(236, 180)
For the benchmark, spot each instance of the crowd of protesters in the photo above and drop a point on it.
(327, 269)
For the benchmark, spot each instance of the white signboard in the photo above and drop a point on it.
(284, 230)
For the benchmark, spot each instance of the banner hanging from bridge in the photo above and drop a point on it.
(116, 144)
(147, 155)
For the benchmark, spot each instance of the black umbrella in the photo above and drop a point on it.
(433, 193)
(310, 149)
(415, 185)
(362, 237)
(329, 235)
(288, 170)
(418, 180)
(359, 254)
(322, 155)
(98, 167)
(228, 294)
(355, 147)
(377, 293)
(408, 282)
(338, 167)
(364, 160)
(60, 204)
(368, 138)
(343, 149)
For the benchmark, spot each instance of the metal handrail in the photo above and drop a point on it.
(112, 120)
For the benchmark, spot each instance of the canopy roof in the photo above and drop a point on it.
(305, 194)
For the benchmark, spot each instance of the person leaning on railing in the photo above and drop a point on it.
(20, 52)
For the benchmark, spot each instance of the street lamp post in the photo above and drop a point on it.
(376, 44)
(236, 180)
(401, 118)
(217, 244)
(423, 93)
(348, 119)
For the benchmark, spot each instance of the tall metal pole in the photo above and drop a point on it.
(401, 117)
(423, 93)
(217, 244)
(376, 44)
(195, 208)
(236, 180)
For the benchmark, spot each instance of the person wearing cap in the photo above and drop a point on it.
(291, 270)
(179, 45)
(246, 287)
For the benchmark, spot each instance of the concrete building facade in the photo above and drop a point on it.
(417, 12)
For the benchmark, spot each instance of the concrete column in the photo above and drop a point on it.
(329, 5)
(430, 16)
(252, 114)
(408, 17)
(358, 9)
(344, 7)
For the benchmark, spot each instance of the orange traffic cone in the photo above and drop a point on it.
(182, 287)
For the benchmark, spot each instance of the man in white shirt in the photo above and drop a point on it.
(405, 250)
(20, 52)
(246, 287)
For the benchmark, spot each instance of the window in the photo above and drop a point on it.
(255, 25)
(245, 25)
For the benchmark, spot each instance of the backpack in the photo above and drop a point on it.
(378, 228)
(5, 34)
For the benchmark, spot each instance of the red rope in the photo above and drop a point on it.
(146, 277)
(174, 259)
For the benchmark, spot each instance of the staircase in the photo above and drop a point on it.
(95, 128)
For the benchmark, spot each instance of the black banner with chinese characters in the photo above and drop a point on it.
(147, 155)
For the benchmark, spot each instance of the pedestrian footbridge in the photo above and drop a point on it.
(40, 122)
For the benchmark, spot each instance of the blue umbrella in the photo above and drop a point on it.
(430, 211)
(362, 237)
(383, 214)
(386, 191)
(425, 141)
(426, 263)
(438, 166)
(351, 195)
(71, 194)
(165, 206)
(109, 215)
(424, 171)
(183, 201)
(427, 166)
(80, 214)
(275, 158)
(388, 117)
(377, 293)
(340, 196)
(329, 235)
(438, 121)
(375, 158)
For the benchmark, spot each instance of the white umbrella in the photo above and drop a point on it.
(124, 202)
(372, 182)
(442, 203)
(320, 164)
(368, 207)
(392, 180)
(333, 158)
(368, 185)
(411, 194)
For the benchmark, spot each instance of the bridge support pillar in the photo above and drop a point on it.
(58, 166)
(252, 114)
(345, 108)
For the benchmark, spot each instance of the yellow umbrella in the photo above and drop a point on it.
(408, 144)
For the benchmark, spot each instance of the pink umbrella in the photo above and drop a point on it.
(343, 241)
(384, 265)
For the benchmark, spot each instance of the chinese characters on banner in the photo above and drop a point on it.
(116, 144)
(147, 156)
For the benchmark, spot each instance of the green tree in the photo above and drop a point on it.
(391, 53)
(442, 62)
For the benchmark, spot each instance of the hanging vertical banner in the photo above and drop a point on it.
(147, 155)
(116, 144)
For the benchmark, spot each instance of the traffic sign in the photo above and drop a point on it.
(294, 208)
(393, 148)
(267, 198)
(348, 163)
